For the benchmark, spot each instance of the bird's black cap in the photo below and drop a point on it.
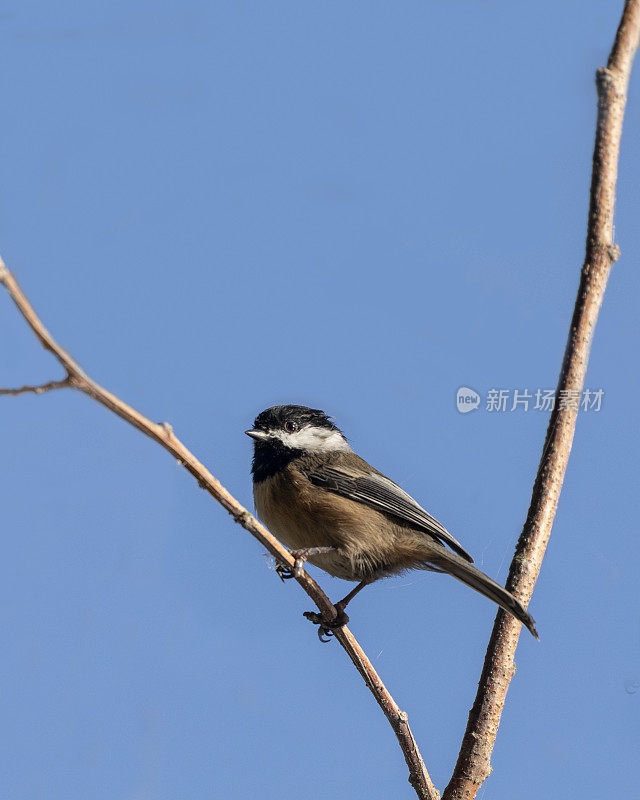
(277, 417)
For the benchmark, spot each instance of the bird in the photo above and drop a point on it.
(333, 509)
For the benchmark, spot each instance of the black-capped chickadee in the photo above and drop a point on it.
(338, 512)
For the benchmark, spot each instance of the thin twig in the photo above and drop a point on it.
(163, 434)
(473, 764)
(39, 389)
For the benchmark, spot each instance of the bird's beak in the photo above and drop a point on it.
(259, 436)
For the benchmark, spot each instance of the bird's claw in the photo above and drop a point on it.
(284, 572)
(322, 631)
(327, 628)
(323, 627)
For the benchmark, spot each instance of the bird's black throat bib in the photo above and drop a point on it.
(270, 458)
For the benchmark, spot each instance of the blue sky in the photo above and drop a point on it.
(358, 206)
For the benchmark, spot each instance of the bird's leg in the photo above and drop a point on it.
(326, 628)
(342, 604)
(300, 556)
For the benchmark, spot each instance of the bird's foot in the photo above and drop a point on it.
(299, 557)
(326, 628)
(284, 572)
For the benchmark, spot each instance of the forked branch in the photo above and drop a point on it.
(163, 434)
(473, 764)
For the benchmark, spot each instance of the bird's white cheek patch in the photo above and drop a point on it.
(314, 440)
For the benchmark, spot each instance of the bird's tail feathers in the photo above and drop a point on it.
(476, 579)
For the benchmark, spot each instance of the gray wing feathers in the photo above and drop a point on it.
(384, 495)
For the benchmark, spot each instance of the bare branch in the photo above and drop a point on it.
(473, 764)
(163, 434)
(39, 389)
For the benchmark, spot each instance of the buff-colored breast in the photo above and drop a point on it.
(303, 515)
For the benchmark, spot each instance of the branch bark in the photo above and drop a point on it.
(473, 765)
(163, 434)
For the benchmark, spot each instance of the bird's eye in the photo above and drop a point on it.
(290, 426)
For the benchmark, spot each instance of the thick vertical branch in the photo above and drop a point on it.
(473, 764)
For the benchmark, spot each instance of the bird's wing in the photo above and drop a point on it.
(384, 495)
